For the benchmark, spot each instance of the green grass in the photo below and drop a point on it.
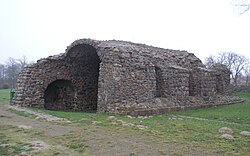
(238, 113)
(14, 141)
(198, 132)
(75, 116)
(23, 113)
(11, 143)
(191, 132)
(4, 95)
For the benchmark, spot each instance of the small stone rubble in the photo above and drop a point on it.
(128, 124)
(227, 137)
(43, 116)
(226, 133)
(246, 133)
(225, 130)
(38, 145)
(24, 126)
(24, 153)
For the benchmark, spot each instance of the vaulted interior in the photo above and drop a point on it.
(60, 95)
(81, 87)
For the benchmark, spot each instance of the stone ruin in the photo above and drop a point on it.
(121, 77)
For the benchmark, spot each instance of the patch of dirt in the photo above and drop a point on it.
(24, 126)
(24, 154)
(101, 140)
(37, 145)
(38, 115)
(50, 128)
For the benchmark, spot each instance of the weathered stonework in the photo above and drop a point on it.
(120, 77)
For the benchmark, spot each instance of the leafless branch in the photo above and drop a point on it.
(244, 6)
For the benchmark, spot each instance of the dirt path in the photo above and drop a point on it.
(53, 129)
(100, 141)
(74, 139)
(37, 132)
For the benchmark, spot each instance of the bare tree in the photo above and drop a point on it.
(234, 62)
(2, 75)
(226, 58)
(23, 61)
(247, 74)
(12, 71)
(239, 63)
(2, 69)
(210, 60)
(242, 5)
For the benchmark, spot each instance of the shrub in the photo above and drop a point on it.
(5, 86)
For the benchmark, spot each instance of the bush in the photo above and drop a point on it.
(5, 86)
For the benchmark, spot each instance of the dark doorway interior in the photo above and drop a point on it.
(84, 73)
(60, 95)
(78, 91)
(159, 82)
(219, 84)
(191, 85)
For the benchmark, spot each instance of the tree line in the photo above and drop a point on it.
(237, 64)
(10, 70)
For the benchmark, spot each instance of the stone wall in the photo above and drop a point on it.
(124, 85)
(172, 82)
(118, 77)
(202, 82)
(222, 78)
(80, 66)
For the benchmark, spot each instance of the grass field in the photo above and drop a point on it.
(4, 95)
(192, 129)
(238, 113)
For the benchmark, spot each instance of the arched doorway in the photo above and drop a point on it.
(60, 95)
(84, 64)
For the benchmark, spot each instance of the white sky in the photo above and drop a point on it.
(40, 28)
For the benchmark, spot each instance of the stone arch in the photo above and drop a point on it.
(84, 64)
(60, 95)
(78, 73)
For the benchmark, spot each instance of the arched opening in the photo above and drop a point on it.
(77, 88)
(60, 95)
(84, 73)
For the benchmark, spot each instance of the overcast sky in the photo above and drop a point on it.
(40, 28)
